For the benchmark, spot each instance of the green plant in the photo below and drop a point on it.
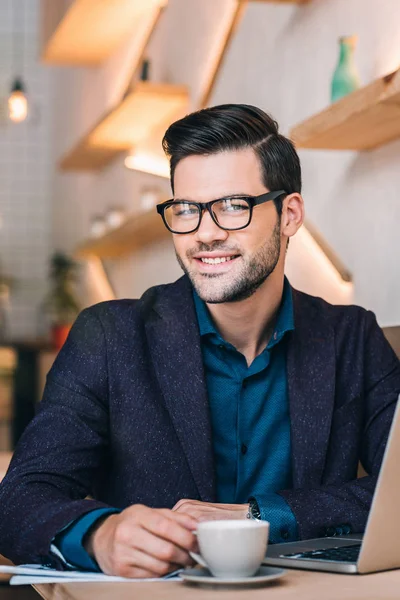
(61, 301)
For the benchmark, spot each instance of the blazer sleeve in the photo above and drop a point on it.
(58, 459)
(333, 510)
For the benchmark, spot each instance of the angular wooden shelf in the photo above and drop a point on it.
(138, 230)
(89, 31)
(363, 120)
(392, 335)
(143, 110)
(238, 10)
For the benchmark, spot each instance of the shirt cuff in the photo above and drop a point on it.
(282, 522)
(69, 541)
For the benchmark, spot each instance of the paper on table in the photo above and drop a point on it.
(32, 574)
(36, 579)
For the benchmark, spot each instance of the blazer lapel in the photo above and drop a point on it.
(174, 343)
(311, 385)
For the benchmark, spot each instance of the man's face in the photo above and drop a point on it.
(253, 252)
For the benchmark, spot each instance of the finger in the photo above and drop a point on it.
(181, 502)
(133, 572)
(173, 529)
(189, 511)
(136, 573)
(194, 508)
(139, 559)
(162, 523)
(200, 514)
(160, 549)
(181, 517)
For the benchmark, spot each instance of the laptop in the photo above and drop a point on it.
(377, 550)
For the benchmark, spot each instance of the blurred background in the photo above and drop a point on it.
(87, 89)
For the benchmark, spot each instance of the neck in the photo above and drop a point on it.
(248, 324)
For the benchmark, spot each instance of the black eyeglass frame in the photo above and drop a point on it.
(202, 206)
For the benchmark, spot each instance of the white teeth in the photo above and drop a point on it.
(216, 261)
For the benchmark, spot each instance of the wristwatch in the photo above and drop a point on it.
(254, 510)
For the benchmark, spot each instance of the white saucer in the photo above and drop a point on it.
(203, 576)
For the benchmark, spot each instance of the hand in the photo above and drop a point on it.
(207, 511)
(143, 542)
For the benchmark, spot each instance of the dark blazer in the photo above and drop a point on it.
(125, 419)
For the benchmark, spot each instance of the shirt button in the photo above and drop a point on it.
(284, 534)
(243, 449)
(346, 529)
(275, 335)
(221, 346)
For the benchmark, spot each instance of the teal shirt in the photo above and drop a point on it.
(251, 431)
(250, 419)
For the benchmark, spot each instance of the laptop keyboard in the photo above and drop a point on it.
(348, 554)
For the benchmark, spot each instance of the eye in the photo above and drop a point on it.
(183, 209)
(235, 205)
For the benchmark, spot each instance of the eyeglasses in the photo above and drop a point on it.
(231, 213)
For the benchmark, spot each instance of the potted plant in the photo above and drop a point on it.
(61, 302)
(5, 288)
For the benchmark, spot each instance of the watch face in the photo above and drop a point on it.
(254, 510)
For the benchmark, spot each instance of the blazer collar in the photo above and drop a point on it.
(311, 367)
(174, 343)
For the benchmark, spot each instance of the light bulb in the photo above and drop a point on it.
(17, 103)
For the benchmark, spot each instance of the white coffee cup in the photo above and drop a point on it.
(232, 548)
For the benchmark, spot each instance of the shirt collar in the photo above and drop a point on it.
(285, 318)
(284, 321)
(204, 319)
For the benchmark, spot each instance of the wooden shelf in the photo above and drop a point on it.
(238, 10)
(328, 251)
(139, 230)
(143, 110)
(392, 335)
(89, 31)
(365, 119)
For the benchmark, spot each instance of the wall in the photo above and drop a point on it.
(351, 197)
(25, 168)
(281, 59)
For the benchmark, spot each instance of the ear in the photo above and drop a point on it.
(292, 215)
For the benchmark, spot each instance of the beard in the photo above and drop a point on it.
(215, 288)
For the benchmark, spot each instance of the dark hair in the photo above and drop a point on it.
(232, 127)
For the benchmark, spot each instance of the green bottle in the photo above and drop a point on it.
(345, 78)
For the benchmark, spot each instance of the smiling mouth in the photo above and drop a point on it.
(218, 264)
(218, 260)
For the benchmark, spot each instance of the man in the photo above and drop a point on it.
(225, 395)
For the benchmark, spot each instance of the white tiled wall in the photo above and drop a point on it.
(281, 59)
(25, 167)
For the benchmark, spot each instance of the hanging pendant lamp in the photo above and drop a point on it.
(17, 100)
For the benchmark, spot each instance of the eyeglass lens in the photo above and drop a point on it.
(230, 213)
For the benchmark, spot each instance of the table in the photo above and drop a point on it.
(301, 585)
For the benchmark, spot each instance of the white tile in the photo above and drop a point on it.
(25, 169)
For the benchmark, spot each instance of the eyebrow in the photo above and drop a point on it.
(226, 197)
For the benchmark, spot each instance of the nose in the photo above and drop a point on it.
(209, 231)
